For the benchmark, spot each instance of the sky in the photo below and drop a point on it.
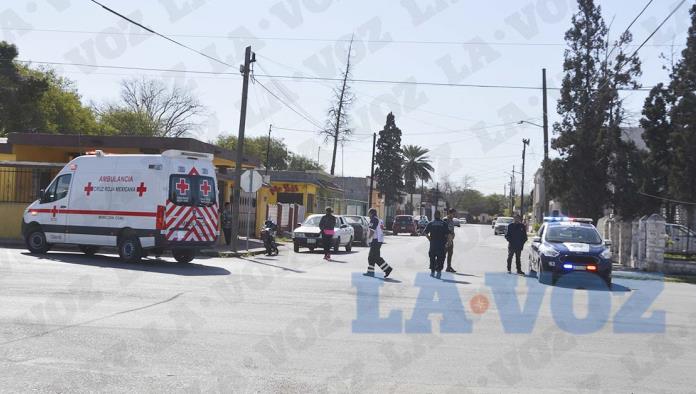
(470, 131)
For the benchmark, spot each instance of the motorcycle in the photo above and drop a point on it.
(268, 237)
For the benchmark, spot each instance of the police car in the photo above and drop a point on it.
(565, 245)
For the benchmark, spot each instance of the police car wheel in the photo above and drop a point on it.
(337, 245)
(129, 249)
(89, 250)
(183, 256)
(36, 242)
(349, 246)
(296, 248)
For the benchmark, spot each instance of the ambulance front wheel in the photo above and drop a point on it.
(36, 241)
(129, 249)
(183, 256)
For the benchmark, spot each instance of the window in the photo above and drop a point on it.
(192, 190)
(577, 234)
(58, 190)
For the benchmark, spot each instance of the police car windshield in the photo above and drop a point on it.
(504, 220)
(577, 234)
(352, 219)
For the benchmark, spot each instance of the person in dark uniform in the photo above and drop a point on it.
(226, 221)
(438, 235)
(327, 226)
(516, 235)
(374, 257)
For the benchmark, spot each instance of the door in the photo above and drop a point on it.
(53, 209)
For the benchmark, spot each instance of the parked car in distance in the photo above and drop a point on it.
(462, 220)
(501, 223)
(680, 240)
(308, 235)
(404, 224)
(361, 227)
(456, 222)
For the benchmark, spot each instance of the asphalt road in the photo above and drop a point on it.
(294, 323)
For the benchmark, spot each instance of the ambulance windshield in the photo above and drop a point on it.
(192, 190)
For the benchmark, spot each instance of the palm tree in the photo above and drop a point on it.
(416, 167)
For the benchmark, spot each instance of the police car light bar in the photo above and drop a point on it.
(566, 219)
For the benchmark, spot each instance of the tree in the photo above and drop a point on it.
(657, 127)
(156, 109)
(19, 94)
(416, 167)
(589, 134)
(683, 118)
(38, 100)
(279, 158)
(302, 163)
(338, 129)
(389, 161)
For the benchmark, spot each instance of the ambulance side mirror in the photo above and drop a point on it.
(41, 194)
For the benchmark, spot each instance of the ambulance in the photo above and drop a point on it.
(140, 204)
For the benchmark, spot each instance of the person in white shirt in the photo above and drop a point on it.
(377, 236)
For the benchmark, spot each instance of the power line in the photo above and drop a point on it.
(310, 78)
(313, 39)
(286, 104)
(657, 28)
(159, 34)
(667, 199)
(631, 24)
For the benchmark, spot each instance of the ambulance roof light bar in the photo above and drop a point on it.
(567, 219)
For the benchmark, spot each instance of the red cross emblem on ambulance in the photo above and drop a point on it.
(205, 188)
(182, 186)
(141, 189)
(89, 188)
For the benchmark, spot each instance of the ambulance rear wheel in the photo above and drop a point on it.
(36, 241)
(183, 256)
(129, 249)
(89, 250)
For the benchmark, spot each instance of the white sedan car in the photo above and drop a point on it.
(309, 236)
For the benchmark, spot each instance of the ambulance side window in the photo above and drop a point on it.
(58, 189)
(181, 189)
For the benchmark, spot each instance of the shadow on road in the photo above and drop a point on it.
(146, 265)
(272, 265)
(583, 281)
(461, 282)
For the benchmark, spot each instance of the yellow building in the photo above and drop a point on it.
(28, 162)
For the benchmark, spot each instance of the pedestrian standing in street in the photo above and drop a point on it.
(377, 236)
(327, 226)
(516, 235)
(226, 222)
(449, 250)
(438, 235)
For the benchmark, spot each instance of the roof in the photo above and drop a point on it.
(30, 164)
(318, 178)
(145, 144)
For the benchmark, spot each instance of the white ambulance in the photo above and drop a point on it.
(139, 204)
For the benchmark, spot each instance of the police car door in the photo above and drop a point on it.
(53, 208)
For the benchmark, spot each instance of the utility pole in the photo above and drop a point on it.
(372, 171)
(318, 154)
(339, 113)
(249, 57)
(268, 149)
(544, 199)
(437, 195)
(512, 191)
(525, 142)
